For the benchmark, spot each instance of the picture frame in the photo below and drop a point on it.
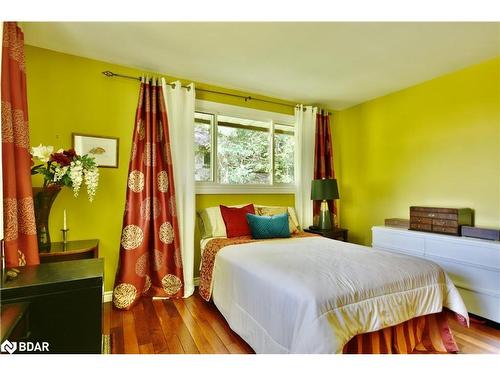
(104, 149)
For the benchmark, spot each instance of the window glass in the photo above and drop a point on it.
(242, 151)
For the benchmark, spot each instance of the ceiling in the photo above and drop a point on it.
(333, 64)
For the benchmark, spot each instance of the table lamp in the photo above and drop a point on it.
(323, 190)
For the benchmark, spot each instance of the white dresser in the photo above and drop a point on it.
(472, 264)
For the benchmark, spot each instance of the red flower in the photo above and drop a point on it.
(61, 159)
(71, 153)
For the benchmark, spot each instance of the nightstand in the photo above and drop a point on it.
(334, 233)
(71, 250)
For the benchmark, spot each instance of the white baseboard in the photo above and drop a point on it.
(108, 296)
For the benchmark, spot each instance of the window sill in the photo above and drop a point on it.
(207, 188)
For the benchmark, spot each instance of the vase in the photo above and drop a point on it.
(43, 199)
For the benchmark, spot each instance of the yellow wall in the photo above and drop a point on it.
(436, 144)
(69, 94)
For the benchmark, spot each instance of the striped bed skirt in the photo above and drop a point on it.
(424, 334)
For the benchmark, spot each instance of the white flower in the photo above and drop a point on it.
(91, 180)
(42, 153)
(75, 174)
(60, 172)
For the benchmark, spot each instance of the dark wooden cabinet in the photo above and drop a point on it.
(334, 233)
(65, 303)
(71, 250)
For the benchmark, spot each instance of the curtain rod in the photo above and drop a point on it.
(110, 74)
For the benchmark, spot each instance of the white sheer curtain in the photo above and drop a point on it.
(305, 120)
(180, 111)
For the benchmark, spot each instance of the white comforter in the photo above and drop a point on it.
(312, 295)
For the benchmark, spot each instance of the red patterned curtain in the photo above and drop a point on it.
(150, 256)
(18, 213)
(323, 159)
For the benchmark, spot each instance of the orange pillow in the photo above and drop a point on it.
(236, 220)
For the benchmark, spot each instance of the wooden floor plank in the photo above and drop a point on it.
(479, 331)
(130, 343)
(488, 331)
(195, 326)
(479, 336)
(147, 348)
(475, 342)
(206, 328)
(116, 331)
(202, 344)
(116, 320)
(465, 348)
(141, 324)
(155, 329)
(169, 329)
(181, 331)
(231, 340)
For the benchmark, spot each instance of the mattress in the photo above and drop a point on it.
(312, 295)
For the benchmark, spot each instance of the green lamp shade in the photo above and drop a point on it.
(324, 189)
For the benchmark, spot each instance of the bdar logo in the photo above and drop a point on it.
(9, 347)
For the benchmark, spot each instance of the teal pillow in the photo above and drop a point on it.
(269, 226)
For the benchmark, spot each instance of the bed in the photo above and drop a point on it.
(309, 294)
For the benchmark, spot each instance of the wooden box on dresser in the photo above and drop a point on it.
(472, 264)
(440, 220)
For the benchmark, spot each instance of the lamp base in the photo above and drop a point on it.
(325, 219)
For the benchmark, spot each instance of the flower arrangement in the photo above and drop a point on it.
(66, 168)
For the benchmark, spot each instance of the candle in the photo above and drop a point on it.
(64, 222)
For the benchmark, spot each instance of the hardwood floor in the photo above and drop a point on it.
(194, 326)
(164, 326)
(479, 338)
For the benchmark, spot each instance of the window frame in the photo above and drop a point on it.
(214, 187)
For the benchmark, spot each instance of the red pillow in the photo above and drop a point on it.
(236, 220)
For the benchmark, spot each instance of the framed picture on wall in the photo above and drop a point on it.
(104, 149)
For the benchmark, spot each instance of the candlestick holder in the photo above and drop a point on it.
(65, 235)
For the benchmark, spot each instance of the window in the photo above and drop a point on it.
(243, 147)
